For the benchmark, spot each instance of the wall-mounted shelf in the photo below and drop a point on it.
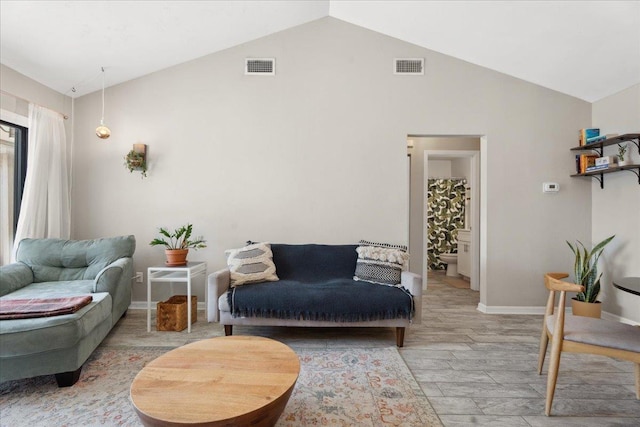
(634, 138)
(598, 147)
(635, 169)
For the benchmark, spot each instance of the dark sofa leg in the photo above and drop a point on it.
(228, 330)
(67, 379)
(399, 336)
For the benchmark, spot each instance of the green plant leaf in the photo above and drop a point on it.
(600, 246)
(157, 241)
(586, 268)
(179, 239)
(595, 291)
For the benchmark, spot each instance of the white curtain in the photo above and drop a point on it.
(45, 208)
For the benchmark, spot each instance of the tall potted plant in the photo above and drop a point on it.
(177, 244)
(585, 270)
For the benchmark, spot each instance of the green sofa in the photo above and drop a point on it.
(55, 268)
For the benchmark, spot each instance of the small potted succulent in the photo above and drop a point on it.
(177, 244)
(585, 270)
(622, 151)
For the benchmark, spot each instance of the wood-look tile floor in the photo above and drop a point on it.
(480, 369)
(476, 369)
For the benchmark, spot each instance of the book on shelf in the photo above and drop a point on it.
(595, 139)
(587, 160)
(587, 133)
(596, 168)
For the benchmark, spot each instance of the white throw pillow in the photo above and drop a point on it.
(251, 264)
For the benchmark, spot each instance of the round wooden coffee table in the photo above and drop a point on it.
(230, 381)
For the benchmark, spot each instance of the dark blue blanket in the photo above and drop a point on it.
(337, 300)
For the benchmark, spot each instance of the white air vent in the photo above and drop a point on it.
(260, 66)
(408, 66)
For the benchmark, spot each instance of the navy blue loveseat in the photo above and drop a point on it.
(316, 288)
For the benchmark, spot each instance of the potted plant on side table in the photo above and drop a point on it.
(177, 244)
(585, 270)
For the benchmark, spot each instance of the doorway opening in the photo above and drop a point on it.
(449, 166)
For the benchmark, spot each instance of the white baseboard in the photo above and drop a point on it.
(615, 317)
(503, 309)
(142, 305)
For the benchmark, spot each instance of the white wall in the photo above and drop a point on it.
(23, 87)
(439, 169)
(616, 207)
(17, 84)
(318, 152)
(461, 168)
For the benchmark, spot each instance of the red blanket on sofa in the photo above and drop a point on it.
(41, 307)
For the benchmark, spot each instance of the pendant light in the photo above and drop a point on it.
(102, 131)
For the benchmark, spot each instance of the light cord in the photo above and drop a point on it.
(102, 119)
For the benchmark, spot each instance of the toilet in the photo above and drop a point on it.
(452, 263)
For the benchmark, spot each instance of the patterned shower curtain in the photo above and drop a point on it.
(445, 216)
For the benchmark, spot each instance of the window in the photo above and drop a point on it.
(13, 170)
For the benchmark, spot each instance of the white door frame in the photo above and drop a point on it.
(478, 213)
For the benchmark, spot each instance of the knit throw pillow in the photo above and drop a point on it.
(380, 263)
(251, 264)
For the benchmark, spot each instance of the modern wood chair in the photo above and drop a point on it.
(579, 334)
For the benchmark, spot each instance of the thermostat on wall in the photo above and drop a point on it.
(550, 187)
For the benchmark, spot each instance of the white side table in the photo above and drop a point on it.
(182, 274)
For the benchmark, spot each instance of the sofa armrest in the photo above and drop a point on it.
(218, 283)
(108, 278)
(14, 276)
(413, 283)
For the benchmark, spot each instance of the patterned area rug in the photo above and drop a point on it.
(340, 387)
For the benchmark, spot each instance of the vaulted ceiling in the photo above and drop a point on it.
(587, 49)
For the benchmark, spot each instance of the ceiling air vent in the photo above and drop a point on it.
(408, 66)
(260, 66)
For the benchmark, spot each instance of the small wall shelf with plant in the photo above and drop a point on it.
(136, 159)
(625, 162)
